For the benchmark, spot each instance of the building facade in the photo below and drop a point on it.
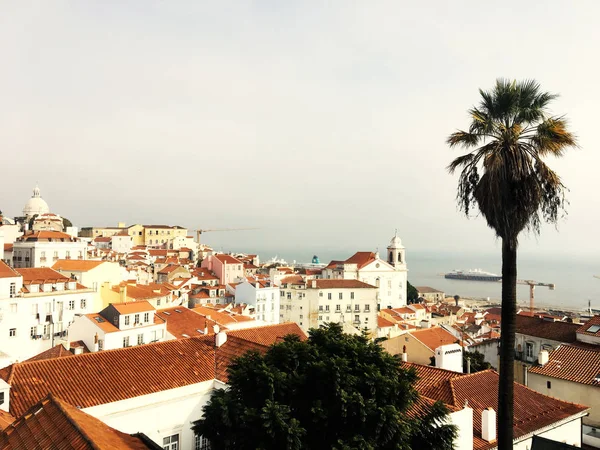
(44, 248)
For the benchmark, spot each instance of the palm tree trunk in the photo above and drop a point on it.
(507, 344)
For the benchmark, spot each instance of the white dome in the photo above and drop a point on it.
(396, 242)
(35, 205)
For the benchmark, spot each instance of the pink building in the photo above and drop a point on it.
(226, 267)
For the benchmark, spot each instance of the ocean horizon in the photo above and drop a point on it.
(573, 275)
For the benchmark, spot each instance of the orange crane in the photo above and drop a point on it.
(200, 231)
(532, 284)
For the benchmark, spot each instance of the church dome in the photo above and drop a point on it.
(35, 205)
(396, 242)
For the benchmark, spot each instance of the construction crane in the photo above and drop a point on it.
(532, 284)
(200, 231)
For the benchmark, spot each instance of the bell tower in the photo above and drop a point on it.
(396, 253)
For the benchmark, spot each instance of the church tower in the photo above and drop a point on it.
(396, 253)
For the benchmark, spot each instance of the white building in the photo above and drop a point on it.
(36, 308)
(121, 242)
(44, 248)
(119, 325)
(263, 296)
(389, 276)
(316, 302)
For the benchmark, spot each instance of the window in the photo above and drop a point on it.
(351, 295)
(338, 308)
(158, 302)
(357, 308)
(71, 306)
(146, 317)
(329, 296)
(320, 317)
(13, 307)
(12, 332)
(171, 442)
(529, 350)
(126, 320)
(341, 296)
(357, 318)
(1, 398)
(282, 293)
(126, 341)
(593, 329)
(389, 284)
(289, 295)
(327, 318)
(326, 308)
(320, 293)
(136, 319)
(548, 384)
(13, 289)
(367, 308)
(301, 316)
(100, 344)
(83, 303)
(140, 339)
(321, 308)
(33, 331)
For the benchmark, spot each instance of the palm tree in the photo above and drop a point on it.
(504, 176)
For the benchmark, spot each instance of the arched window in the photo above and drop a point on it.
(377, 282)
(399, 256)
(391, 258)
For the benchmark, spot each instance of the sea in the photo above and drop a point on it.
(573, 275)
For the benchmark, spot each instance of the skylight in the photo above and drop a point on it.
(98, 319)
(593, 329)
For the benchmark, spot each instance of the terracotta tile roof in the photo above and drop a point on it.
(8, 247)
(227, 259)
(41, 274)
(584, 329)
(222, 318)
(361, 259)
(168, 269)
(46, 236)
(102, 323)
(547, 329)
(292, 279)
(141, 291)
(182, 322)
(576, 363)
(176, 227)
(342, 284)
(532, 410)
(53, 423)
(77, 265)
(133, 307)
(5, 419)
(417, 306)
(7, 272)
(58, 351)
(268, 334)
(427, 290)
(102, 239)
(434, 337)
(87, 380)
(383, 323)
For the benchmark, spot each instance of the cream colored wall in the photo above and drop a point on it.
(134, 231)
(570, 392)
(417, 352)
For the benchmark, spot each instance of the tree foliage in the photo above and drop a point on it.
(411, 293)
(477, 361)
(333, 391)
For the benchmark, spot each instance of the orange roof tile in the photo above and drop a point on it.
(133, 307)
(56, 236)
(221, 317)
(5, 419)
(85, 380)
(41, 274)
(434, 337)
(227, 259)
(102, 323)
(52, 423)
(584, 329)
(76, 265)
(293, 279)
(557, 331)
(577, 363)
(7, 272)
(182, 322)
(383, 323)
(341, 284)
(58, 351)
(361, 259)
(532, 411)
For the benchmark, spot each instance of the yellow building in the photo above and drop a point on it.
(162, 235)
(419, 345)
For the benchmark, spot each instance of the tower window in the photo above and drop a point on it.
(399, 257)
(391, 258)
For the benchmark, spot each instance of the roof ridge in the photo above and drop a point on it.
(55, 400)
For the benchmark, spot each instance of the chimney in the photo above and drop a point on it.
(220, 338)
(314, 284)
(78, 350)
(488, 424)
(404, 357)
(468, 365)
(543, 358)
(123, 293)
(96, 346)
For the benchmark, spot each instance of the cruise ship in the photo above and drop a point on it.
(472, 275)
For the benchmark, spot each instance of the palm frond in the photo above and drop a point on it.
(463, 139)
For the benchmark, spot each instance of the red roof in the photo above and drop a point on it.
(584, 329)
(182, 322)
(53, 423)
(7, 272)
(41, 274)
(292, 279)
(532, 411)
(576, 363)
(434, 337)
(87, 380)
(58, 351)
(342, 284)
(557, 331)
(76, 265)
(133, 307)
(55, 236)
(383, 323)
(227, 259)
(361, 259)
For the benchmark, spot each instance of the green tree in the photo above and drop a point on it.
(332, 391)
(66, 223)
(411, 293)
(505, 177)
(476, 360)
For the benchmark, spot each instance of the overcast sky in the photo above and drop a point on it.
(324, 126)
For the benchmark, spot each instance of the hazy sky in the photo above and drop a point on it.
(324, 126)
